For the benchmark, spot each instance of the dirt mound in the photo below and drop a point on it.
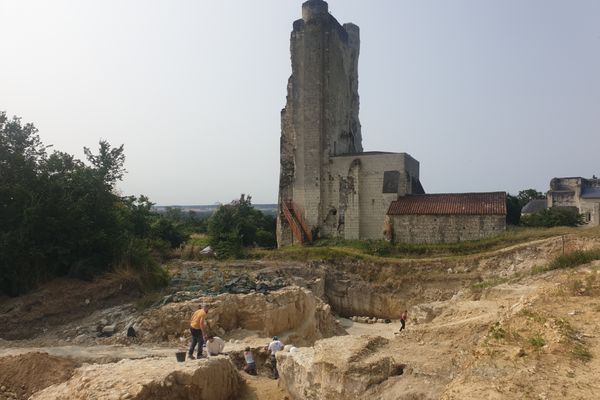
(26, 374)
(35, 313)
(546, 348)
(208, 379)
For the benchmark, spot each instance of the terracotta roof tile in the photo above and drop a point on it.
(492, 203)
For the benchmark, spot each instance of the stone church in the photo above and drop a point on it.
(328, 185)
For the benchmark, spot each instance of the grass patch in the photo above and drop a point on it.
(497, 331)
(386, 249)
(571, 260)
(384, 252)
(532, 315)
(537, 341)
(566, 329)
(581, 352)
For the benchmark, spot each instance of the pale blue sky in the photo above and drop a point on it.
(487, 95)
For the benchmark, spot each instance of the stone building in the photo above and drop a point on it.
(327, 184)
(447, 217)
(581, 193)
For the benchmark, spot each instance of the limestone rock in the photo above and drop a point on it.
(346, 367)
(109, 329)
(210, 379)
(426, 312)
(293, 313)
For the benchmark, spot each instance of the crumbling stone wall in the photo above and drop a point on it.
(321, 114)
(446, 228)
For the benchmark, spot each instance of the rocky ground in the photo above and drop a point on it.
(481, 326)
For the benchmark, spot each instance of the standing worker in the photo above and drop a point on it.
(198, 329)
(273, 348)
(403, 319)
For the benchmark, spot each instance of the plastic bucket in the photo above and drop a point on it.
(180, 356)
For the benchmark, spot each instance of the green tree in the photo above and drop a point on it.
(525, 196)
(60, 216)
(513, 210)
(238, 224)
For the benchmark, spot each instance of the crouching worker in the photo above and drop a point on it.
(274, 347)
(214, 345)
(250, 367)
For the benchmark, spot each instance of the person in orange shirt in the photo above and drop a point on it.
(198, 329)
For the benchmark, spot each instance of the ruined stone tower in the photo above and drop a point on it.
(327, 184)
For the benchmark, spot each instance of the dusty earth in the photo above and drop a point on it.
(486, 326)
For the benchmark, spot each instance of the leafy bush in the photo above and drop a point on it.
(237, 225)
(265, 239)
(555, 216)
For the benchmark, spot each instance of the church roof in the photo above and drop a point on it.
(590, 192)
(535, 205)
(492, 203)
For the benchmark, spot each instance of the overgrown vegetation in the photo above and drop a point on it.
(238, 225)
(383, 251)
(555, 216)
(571, 260)
(514, 204)
(62, 217)
(552, 217)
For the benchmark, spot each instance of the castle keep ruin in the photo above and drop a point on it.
(328, 185)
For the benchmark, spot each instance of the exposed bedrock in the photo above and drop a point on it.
(292, 312)
(212, 379)
(346, 367)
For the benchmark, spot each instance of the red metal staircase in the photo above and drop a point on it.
(297, 224)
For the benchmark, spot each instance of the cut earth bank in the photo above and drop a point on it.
(479, 327)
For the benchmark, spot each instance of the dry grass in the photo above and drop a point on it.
(379, 251)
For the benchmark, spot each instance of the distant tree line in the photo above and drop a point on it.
(60, 216)
(555, 216)
(190, 221)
